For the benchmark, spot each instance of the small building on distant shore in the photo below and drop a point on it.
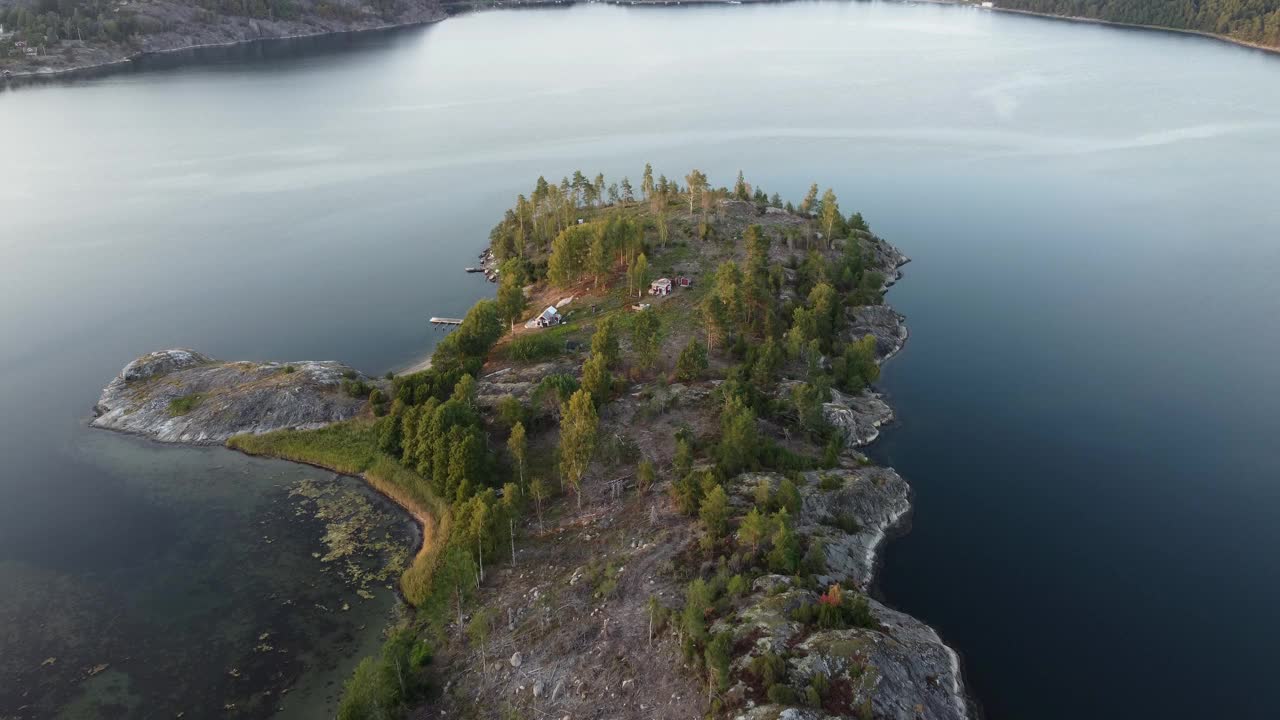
(661, 286)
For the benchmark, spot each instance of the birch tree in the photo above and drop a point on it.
(578, 430)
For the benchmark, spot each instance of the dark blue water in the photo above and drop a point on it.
(1087, 400)
(1087, 421)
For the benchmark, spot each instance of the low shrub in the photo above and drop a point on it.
(847, 522)
(769, 669)
(185, 404)
(534, 347)
(354, 387)
(780, 694)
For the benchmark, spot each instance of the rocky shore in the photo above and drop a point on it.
(180, 26)
(183, 396)
(900, 668)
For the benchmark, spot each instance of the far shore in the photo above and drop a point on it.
(1132, 26)
(88, 69)
(17, 78)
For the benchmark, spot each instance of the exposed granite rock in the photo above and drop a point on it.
(882, 322)
(768, 619)
(872, 497)
(181, 395)
(857, 417)
(849, 509)
(885, 258)
(520, 381)
(900, 669)
(777, 712)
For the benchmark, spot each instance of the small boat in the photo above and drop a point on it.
(475, 269)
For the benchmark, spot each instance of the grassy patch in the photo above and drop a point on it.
(351, 448)
(185, 404)
(538, 345)
(348, 447)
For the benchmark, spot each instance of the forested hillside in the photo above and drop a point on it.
(44, 35)
(1254, 21)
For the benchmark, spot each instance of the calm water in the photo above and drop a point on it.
(1088, 400)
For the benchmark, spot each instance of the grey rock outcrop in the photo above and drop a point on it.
(899, 668)
(857, 417)
(850, 510)
(884, 257)
(882, 322)
(519, 382)
(853, 519)
(183, 396)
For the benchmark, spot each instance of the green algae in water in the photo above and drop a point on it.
(358, 542)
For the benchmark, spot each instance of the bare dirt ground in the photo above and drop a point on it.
(573, 609)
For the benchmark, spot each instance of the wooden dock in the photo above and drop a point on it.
(446, 321)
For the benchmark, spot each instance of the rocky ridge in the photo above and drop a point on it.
(898, 669)
(183, 396)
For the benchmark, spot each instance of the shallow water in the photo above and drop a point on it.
(1086, 404)
(212, 581)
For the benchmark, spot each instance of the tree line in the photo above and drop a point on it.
(51, 21)
(47, 22)
(1256, 21)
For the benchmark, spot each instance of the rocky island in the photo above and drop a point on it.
(640, 464)
(183, 396)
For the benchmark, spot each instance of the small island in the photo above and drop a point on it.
(637, 467)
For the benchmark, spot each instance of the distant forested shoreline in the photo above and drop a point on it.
(52, 36)
(40, 37)
(1255, 22)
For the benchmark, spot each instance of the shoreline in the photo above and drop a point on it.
(1268, 49)
(16, 79)
(901, 525)
(423, 363)
(422, 518)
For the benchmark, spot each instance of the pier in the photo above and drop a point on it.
(446, 321)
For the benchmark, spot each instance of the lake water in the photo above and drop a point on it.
(1088, 402)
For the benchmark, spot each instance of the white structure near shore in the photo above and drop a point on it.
(547, 318)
